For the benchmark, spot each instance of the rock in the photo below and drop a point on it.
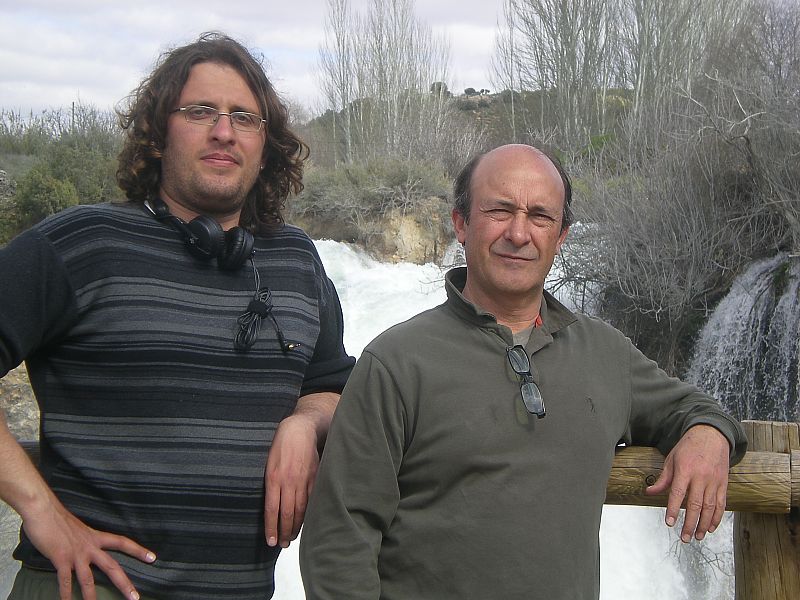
(405, 239)
(19, 405)
(7, 186)
(419, 235)
(22, 413)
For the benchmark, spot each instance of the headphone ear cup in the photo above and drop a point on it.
(238, 248)
(210, 238)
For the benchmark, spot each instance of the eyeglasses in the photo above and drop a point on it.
(245, 122)
(531, 395)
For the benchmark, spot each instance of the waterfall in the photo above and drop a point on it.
(747, 354)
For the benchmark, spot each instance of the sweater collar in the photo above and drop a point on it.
(555, 316)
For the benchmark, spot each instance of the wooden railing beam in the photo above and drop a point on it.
(762, 482)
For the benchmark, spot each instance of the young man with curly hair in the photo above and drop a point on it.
(185, 348)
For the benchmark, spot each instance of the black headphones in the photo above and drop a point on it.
(206, 239)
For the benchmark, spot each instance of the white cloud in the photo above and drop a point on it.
(473, 45)
(56, 52)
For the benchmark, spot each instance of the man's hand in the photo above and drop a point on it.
(291, 470)
(292, 466)
(696, 470)
(73, 546)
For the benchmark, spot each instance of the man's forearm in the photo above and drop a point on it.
(318, 408)
(21, 485)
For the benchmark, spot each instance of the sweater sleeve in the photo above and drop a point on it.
(356, 493)
(663, 408)
(37, 302)
(330, 364)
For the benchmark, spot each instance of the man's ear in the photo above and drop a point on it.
(460, 225)
(561, 238)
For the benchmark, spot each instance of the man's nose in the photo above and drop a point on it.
(518, 230)
(223, 128)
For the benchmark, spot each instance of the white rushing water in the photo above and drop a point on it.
(639, 555)
(748, 352)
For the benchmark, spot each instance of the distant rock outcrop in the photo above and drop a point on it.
(19, 405)
(7, 186)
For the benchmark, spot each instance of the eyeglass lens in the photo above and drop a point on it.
(531, 395)
(205, 115)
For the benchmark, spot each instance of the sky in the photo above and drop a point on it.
(55, 52)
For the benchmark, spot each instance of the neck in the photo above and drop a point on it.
(186, 213)
(516, 314)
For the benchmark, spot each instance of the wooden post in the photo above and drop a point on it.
(767, 546)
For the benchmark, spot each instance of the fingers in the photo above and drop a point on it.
(677, 493)
(83, 573)
(719, 511)
(112, 568)
(94, 554)
(662, 483)
(694, 509)
(301, 502)
(291, 467)
(287, 518)
(703, 509)
(696, 473)
(64, 584)
(110, 541)
(271, 509)
(713, 510)
(284, 513)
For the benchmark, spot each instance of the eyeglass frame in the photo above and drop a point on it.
(219, 113)
(531, 394)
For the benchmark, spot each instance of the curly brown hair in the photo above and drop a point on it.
(149, 107)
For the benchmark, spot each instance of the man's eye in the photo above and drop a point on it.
(243, 118)
(200, 112)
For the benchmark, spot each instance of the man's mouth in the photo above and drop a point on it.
(220, 159)
(515, 257)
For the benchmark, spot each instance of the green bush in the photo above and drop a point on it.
(40, 194)
(374, 187)
(351, 202)
(88, 166)
(59, 158)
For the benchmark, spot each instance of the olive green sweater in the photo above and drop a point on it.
(435, 481)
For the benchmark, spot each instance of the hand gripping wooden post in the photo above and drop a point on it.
(763, 489)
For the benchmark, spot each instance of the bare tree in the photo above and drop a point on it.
(336, 65)
(565, 50)
(690, 191)
(504, 65)
(379, 83)
(752, 105)
(664, 47)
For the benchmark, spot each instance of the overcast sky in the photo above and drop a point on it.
(54, 52)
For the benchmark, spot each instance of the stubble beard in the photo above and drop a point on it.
(207, 194)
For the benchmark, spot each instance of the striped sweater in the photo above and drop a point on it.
(152, 425)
